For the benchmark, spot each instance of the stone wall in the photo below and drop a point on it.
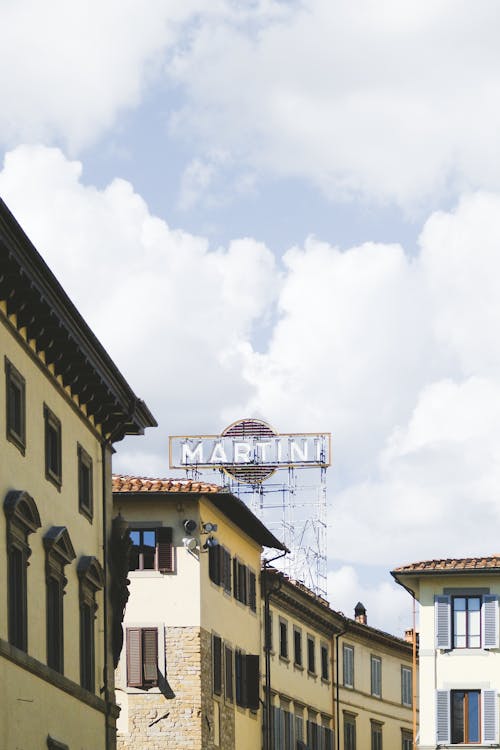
(209, 703)
(172, 716)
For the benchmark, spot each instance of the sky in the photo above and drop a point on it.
(290, 210)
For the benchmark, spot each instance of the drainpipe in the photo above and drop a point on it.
(337, 676)
(267, 652)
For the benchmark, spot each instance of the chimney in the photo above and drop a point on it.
(360, 613)
(409, 635)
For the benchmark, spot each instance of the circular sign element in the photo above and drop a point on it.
(245, 428)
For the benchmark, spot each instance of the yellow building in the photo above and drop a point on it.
(373, 692)
(62, 405)
(327, 671)
(189, 672)
(298, 668)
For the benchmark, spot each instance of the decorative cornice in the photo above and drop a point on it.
(42, 307)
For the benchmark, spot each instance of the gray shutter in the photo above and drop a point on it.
(134, 657)
(489, 716)
(443, 716)
(490, 621)
(443, 621)
(252, 675)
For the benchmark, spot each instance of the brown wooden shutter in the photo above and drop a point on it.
(134, 657)
(165, 550)
(217, 664)
(214, 563)
(150, 655)
(252, 681)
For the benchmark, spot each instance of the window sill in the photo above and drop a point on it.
(144, 574)
(284, 659)
(298, 666)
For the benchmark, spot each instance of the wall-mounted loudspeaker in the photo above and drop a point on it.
(190, 526)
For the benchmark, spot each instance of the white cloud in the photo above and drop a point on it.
(169, 309)
(69, 68)
(394, 101)
(388, 606)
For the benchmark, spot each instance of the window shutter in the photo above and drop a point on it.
(443, 716)
(489, 716)
(442, 621)
(226, 570)
(165, 550)
(217, 664)
(252, 591)
(235, 578)
(150, 655)
(214, 564)
(253, 681)
(229, 672)
(490, 621)
(134, 657)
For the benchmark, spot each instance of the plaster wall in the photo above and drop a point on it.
(57, 507)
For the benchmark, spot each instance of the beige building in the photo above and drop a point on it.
(189, 672)
(62, 405)
(459, 649)
(373, 686)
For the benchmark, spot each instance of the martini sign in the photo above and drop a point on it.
(250, 450)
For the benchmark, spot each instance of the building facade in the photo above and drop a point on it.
(373, 686)
(189, 672)
(298, 629)
(62, 405)
(459, 649)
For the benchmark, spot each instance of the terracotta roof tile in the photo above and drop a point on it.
(491, 562)
(145, 484)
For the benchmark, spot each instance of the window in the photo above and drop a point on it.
(349, 732)
(252, 591)
(466, 716)
(376, 736)
(22, 520)
(268, 635)
(16, 406)
(312, 735)
(324, 662)
(297, 647)
(406, 740)
(59, 552)
(466, 620)
(91, 578)
(152, 549)
(299, 729)
(85, 483)
(142, 657)
(283, 639)
(327, 739)
(228, 660)
(311, 665)
(406, 686)
(247, 678)
(53, 461)
(348, 665)
(240, 582)
(225, 570)
(376, 676)
(217, 664)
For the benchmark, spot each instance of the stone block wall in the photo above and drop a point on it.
(169, 717)
(210, 704)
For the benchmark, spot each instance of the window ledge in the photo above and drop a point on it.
(284, 659)
(144, 574)
(300, 667)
